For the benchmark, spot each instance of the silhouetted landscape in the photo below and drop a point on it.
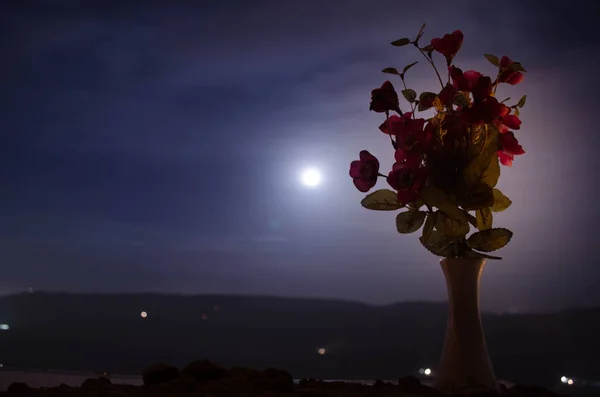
(107, 333)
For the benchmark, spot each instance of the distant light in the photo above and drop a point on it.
(30, 290)
(421, 371)
(204, 316)
(144, 314)
(427, 371)
(1, 365)
(570, 381)
(321, 351)
(564, 379)
(4, 327)
(310, 177)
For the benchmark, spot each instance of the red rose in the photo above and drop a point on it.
(384, 99)
(509, 76)
(406, 129)
(471, 81)
(505, 62)
(510, 147)
(511, 121)
(408, 179)
(364, 172)
(448, 45)
(447, 94)
(482, 88)
(410, 159)
(482, 112)
(507, 121)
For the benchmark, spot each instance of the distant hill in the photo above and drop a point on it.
(107, 333)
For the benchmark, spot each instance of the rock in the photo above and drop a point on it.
(530, 391)
(159, 373)
(274, 380)
(245, 374)
(178, 386)
(410, 384)
(204, 370)
(96, 383)
(19, 388)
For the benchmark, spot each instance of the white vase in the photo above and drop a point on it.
(465, 366)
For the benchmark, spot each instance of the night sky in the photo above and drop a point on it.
(157, 146)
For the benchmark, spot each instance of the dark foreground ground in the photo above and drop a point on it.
(202, 378)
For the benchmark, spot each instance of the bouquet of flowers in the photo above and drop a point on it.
(447, 166)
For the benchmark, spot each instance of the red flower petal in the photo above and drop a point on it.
(364, 185)
(355, 168)
(515, 78)
(506, 158)
(511, 121)
(504, 110)
(365, 156)
(396, 123)
(472, 76)
(447, 94)
(505, 61)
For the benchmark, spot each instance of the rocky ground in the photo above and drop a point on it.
(204, 379)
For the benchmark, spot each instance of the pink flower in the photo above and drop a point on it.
(364, 172)
(510, 147)
(384, 99)
(507, 75)
(447, 94)
(407, 130)
(448, 45)
(408, 178)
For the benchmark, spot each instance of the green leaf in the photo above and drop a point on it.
(427, 48)
(438, 244)
(418, 203)
(517, 112)
(489, 240)
(505, 100)
(427, 96)
(420, 32)
(501, 202)
(451, 227)
(429, 225)
(401, 42)
(435, 197)
(484, 219)
(484, 168)
(492, 59)
(522, 101)
(472, 220)
(461, 99)
(409, 94)
(408, 67)
(482, 196)
(410, 221)
(390, 71)
(469, 253)
(382, 200)
(516, 67)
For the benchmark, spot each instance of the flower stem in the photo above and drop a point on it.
(432, 65)
(387, 119)
(412, 108)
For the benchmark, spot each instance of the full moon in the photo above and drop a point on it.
(310, 177)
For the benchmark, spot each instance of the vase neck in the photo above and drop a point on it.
(462, 279)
